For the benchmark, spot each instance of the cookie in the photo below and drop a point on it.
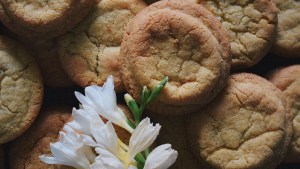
(43, 19)
(46, 56)
(181, 40)
(250, 26)
(287, 42)
(246, 126)
(2, 158)
(90, 52)
(21, 89)
(288, 80)
(173, 131)
(24, 152)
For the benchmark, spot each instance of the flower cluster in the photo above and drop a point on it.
(88, 142)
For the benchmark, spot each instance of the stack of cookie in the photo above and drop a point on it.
(212, 117)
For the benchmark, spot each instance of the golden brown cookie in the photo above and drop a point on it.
(288, 80)
(287, 43)
(173, 131)
(21, 89)
(90, 52)
(24, 152)
(250, 26)
(246, 126)
(46, 56)
(43, 19)
(2, 158)
(183, 41)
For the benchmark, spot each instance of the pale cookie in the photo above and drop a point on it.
(287, 42)
(43, 18)
(2, 158)
(246, 126)
(173, 131)
(24, 152)
(21, 89)
(46, 56)
(90, 52)
(183, 41)
(288, 80)
(250, 26)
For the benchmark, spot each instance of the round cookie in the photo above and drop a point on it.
(46, 56)
(43, 19)
(246, 126)
(288, 80)
(90, 52)
(287, 42)
(2, 157)
(21, 89)
(24, 152)
(250, 26)
(183, 41)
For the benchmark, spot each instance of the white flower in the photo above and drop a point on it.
(103, 100)
(108, 161)
(142, 138)
(70, 151)
(85, 120)
(162, 157)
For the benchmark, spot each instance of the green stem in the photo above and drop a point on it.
(147, 152)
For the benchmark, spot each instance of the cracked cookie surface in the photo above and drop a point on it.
(246, 126)
(21, 89)
(183, 41)
(24, 152)
(287, 42)
(90, 52)
(250, 25)
(288, 80)
(43, 19)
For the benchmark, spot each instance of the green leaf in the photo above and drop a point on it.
(130, 123)
(157, 89)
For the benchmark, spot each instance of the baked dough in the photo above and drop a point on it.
(90, 52)
(287, 43)
(24, 152)
(43, 19)
(250, 26)
(246, 126)
(183, 41)
(288, 80)
(21, 91)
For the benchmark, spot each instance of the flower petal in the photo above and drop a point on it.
(107, 160)
(103, 101)
(106, 137)
(161, 157)
(142, 137)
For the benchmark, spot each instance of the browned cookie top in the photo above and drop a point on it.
(24, 152)
(90, 52)
(250, 25)
(288, 80)
(287, 43)
(21, 89)
(245, 126)
(181, 40)
(43, 18)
